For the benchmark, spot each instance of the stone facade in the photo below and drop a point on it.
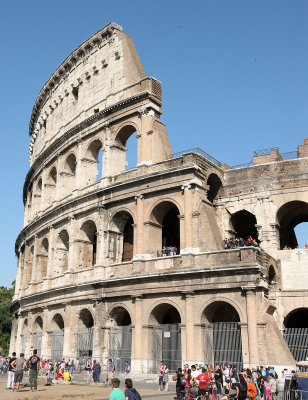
(91, 279)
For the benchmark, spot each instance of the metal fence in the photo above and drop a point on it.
(57, 341)
(38, 343)
(120, 345)
(166, 346)
(223, 343)
(196, 150)
(84, 344)
(297, 341)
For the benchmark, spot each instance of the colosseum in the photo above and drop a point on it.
(96, 277)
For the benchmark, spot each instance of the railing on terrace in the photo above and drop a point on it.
(264, 152)
(289, 155)
(196, 150)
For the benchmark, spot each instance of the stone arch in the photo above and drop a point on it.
(93, 162)
(222, 299)
(125, 154)
(38, 324)
(38, 329)
(272, 275)
(215, 187)
(289, 215)
(61, 254)
(120, 315)
(121, 236)
(120, 305)
(297, 318)
(164, 228)
(244, 224)
(42, 259)
(57, 322)
(170, 303)
(70, 164)
(296, 333)
(87, 244)
(85, 318)
(50, 185)
(219, 311)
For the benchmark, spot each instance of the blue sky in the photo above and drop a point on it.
(234, 76)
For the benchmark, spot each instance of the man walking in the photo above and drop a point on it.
(34, 363)
(18, 366)
(10, 372)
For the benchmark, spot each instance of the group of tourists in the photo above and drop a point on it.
(234, 243)
(169, 251)
(16, 367)
(205, 382)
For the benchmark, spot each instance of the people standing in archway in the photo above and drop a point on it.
(218, 378)
(161, 376)
(110, 368)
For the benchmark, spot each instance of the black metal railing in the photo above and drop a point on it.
(264, 152)
(196, 150)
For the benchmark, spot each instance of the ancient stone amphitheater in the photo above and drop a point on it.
(92, 281)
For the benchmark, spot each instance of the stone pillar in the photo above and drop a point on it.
(72, 245)
(100, 257)
(252, 318)
(138, 353)
(140, 227)
(190, 332)
(19, 334)
(43, 194)
(51, 251)
(79, 180)
(188, 230)
(97, 352)
(20, 271)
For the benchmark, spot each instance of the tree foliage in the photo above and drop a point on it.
(6, 295)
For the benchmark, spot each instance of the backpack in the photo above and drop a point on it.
(135, 394)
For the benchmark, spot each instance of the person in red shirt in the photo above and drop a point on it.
(203, 380)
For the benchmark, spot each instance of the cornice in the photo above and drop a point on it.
(65, 67)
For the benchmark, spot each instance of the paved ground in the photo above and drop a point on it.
(82, 391)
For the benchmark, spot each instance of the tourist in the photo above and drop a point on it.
(18, 365)
(126, 368)
(251, 388)
(110, 370)
(160, 373)
(34, 365)
(96, 371)
(180, 384)
(130, 392)
(88, 369)
(116, 393)
(273, 384)
(166, 377)
(11, 372)
(218, 378)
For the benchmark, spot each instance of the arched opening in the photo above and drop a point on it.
(61, 256)
(50, 186)
(88, 244)
(244, 224)
(42, 259)
(125, 151)
(70, 164)
(166, 336)
(85, 336)
(215, 186)
(28, 262)
(296, 333)
(94, 159)
(120, 337)
(271, 275)
(164, 230)
(57, 338)
(24, 337)
(289, 216)
(221, 328)
(38, 327)
(121, 237)
(38, 195)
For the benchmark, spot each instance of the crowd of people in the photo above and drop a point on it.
(234, 243)
(224, 382)
(169, 251)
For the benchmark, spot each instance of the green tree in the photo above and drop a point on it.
(6, 295)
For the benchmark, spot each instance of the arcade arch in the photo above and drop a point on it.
(57, 338)
(120, 337)
(85, 335)
(164, 228)
(166, 336)
(289, 216)
(38, 329)
(222, 334)
(42, 260)
(296, 333)
(244, 224)
(50, 186)
(88, 244)
(125, 151)
(121, 237)
(61, 256)
(215, 186)
(94, 161)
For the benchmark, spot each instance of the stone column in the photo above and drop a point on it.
(72, 245)
(188, 220)
(20, 271)
(97, 331)
(140, 227)
(190, 332)
(100, 257)
(252, 318)
(43, 194)
(19, 334)
(137, 356)
(51, 251)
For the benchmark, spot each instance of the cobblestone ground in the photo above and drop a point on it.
(80, 390)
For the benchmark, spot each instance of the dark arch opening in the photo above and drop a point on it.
(121, 316)
(90, 231)
(38, 324)
(244, 224)
(165, 314)
(220, 311)
(57, 322)
(297, 319)
(271, 275)
(53, 175)
(215, 185)
(86, 319)
(128, 240)
(123, 226)
(70, 164)
(289, 216)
